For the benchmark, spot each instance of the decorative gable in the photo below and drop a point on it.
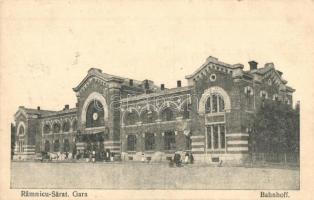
(212, 64)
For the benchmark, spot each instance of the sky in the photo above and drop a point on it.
(47, 47)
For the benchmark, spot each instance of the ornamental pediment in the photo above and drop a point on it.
(212, 64)
(273, 78)
(90, 80)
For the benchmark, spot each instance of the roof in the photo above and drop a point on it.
(210, 59)
(66, 111)
(43, 113)
(108, 77)
(159, 93)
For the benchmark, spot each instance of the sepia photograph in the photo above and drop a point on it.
(156, 99)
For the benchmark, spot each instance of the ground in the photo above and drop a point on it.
(148, 176)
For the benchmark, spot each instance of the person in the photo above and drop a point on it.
(93, 156)
(111, 157)
(107, 156)
(186, 158)
(177, 159)
(191, 158)
(143, 157)
(66, 155)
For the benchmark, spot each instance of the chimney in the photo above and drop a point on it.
(38, 107)
(146, 84)
(66, 107)
(162, 87)
(178, 83)
(131, 82)
(253, 65)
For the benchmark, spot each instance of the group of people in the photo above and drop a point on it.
(177, 160)
(92, 156)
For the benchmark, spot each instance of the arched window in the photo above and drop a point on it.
(131, 143)
(186, 112)
(66, 126)
(248, 91)
(47, 128)
(149, 141)
(148, 116)
(47, 146)
(167, 115)
(74, 125)
(21, 130)
(263, 94)
(56, 128)
(95, 114)
(56, 146)
(131, 118)
(275, 97)
(214, 103)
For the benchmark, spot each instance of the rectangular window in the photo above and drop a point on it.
(170, 140)
(209, 137)
(215, 136)
(215, 104)
(149, 141)
(222, 137)
(131, 142)
(221, 104)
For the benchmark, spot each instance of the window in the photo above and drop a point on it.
(95, 115)
(66, 145)
(263, 94)
(214, 103)
(66, 126)
(131, 142)
(132, 118)
(248, 91)
(47, 128)
(56, 146)
(148, 116)
(74, 125)
(21, 130)
(186, 112)
(169, 140)
(222, 137)
(212, 77)
(47, 146)
(209, 137)
(56, 128)
(21, 146)
(167, 115)
(275, 97)
(216, 136)
(208, 105)
(149, 141)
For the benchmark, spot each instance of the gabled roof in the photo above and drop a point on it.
(210, 59)
(94, 72)
(31, 111)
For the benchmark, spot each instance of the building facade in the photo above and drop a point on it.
(210, 117)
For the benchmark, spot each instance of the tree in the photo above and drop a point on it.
(275, 129)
